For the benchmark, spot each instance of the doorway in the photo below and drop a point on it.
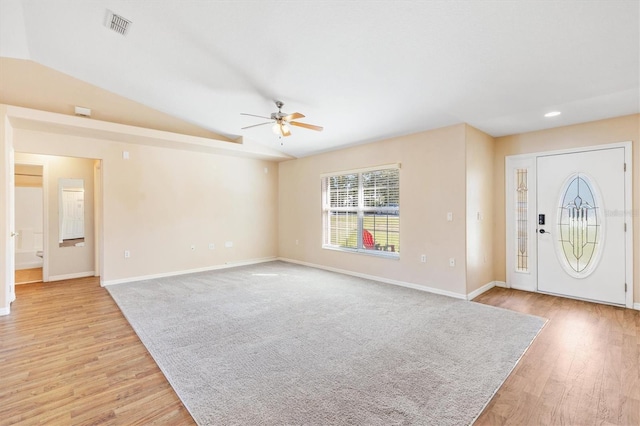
(29, 222)
(569, 225)
(70, 237)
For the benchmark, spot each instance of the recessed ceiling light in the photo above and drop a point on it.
(552, 114)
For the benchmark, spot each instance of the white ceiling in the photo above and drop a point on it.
(365, 70)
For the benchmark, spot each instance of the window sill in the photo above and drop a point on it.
(374, 253)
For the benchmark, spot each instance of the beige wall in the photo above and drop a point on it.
(613, 130)
(32, 85)
(432, 183)
(161, 201)
(66, 261)
(480, 166)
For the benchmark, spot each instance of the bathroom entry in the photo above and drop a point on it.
(69, 244)
(29, 223)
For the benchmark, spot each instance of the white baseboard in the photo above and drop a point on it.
(636, 306)
(380, 279)
(5, 311)
(187, 271)
(71, 276)
(501, 284)
(478, 292)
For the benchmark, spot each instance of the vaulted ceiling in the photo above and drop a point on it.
(364, 70)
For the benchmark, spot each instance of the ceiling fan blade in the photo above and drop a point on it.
(306, 126)
(256, 125)
(253, 115)
(293, 116)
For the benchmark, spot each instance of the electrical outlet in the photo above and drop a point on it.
(228, 244)
(452, 261)
(297, 242)
(127, 254)
(212, 246)
(423, 258)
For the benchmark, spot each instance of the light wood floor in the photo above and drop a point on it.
(582, 369)
(24, 276)
(68, 356)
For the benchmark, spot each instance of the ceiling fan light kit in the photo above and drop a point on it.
(281, 121)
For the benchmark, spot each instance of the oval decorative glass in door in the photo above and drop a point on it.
(580, 226)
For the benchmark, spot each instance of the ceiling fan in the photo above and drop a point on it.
(281, 121)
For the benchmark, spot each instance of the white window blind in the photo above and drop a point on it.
(361, 211)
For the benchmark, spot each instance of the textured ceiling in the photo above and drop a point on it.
(364, 70)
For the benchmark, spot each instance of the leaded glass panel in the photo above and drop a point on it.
(579, 225)
(522, 215)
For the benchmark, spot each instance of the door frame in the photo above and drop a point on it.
(528, 280)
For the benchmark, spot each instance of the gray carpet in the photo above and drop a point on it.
(277, 343)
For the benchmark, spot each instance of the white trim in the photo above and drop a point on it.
(72, 276)
(20, 117)
(361, 170)
(478, 292)
(636, 306)
(187, 271)
(628, 197)
(379, 279)
(367, 252)
(624, 144)
(501, 284)
(4, 311)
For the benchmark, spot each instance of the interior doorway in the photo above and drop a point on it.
(68, 240)
(29, 222)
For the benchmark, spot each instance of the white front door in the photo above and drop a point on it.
(581, 225)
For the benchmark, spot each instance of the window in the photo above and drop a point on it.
(361, 211)
(522, 223)
(580, 226)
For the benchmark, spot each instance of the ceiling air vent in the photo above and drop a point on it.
(117, 23)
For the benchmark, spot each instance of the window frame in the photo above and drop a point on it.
(360, 210)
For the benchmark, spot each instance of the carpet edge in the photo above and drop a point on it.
(546, 321)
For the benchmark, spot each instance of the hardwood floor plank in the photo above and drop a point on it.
(68, 356)
(582, 369)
